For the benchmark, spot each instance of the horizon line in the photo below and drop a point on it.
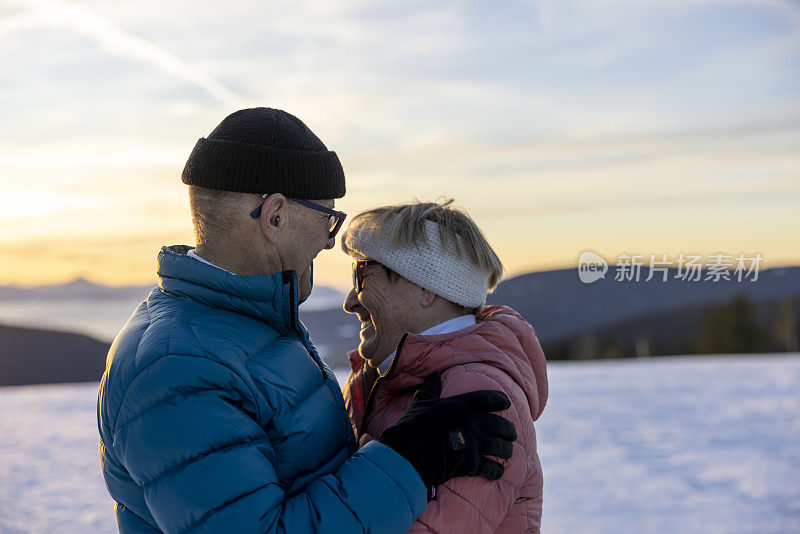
(24, 287)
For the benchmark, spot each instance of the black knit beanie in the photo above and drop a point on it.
(265, 150)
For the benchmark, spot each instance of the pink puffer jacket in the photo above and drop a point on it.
(500, 352)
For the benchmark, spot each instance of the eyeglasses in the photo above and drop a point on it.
(335, 218)
(358, 273)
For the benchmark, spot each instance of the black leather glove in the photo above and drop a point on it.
(449, 437)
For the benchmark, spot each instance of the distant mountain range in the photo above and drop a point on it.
(77, 289)
(559, 305)
(566, 313)
(562, 309)
(80, 289)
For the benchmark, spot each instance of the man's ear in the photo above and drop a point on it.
(273, 216)
(426, 298)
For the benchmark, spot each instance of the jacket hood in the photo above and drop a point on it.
(500, 338)
(270, 298)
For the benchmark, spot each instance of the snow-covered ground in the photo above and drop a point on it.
(688, 445)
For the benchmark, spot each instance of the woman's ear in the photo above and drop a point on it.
(273, 216)
(426, 298)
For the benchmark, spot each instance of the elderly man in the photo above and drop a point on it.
(216, 413)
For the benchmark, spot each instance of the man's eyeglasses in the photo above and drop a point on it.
(358, 273)
(335, 218)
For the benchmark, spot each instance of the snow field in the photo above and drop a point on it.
(690, 444)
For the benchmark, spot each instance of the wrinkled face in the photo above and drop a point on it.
(310, 236)
(386, 307)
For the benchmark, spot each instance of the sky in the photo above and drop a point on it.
(621, 127)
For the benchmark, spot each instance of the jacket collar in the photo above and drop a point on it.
(270, 298)
(415, 359)
(412, 364)
(501, 338)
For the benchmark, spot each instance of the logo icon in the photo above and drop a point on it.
(457, 440)
(591, 267)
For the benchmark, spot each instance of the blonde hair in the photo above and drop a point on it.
(456, 229)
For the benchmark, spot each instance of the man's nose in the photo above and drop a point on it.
(331, 243)
(351, 301)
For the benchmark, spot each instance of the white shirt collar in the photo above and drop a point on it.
(451, 325)
(192, 254)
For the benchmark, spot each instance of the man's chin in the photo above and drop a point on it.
(305, 292)
(306, 284)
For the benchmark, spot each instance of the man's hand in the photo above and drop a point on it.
(449, 437)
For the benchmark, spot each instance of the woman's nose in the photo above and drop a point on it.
(351, 301)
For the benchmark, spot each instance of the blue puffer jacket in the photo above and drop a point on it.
(216, 414)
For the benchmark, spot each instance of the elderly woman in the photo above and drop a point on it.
(420, 279)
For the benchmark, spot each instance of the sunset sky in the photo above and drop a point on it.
(617, 126)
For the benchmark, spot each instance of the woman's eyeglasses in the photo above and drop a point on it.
(335, 218)
(358, 273)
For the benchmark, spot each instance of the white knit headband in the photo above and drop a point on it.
(433, 267)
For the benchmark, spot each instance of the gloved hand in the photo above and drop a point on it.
(449, 437)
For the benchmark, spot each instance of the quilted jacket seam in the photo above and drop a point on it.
(196, 457)
(186, 355)
(202, 519)
(157, 404)
(477, 510)
(254, 394)
(167, 354)
(394, 481)
(513, 335)
(516, 411)
(135, 353)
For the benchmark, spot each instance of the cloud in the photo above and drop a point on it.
(566, 106)
(17, 22)
(116, 40)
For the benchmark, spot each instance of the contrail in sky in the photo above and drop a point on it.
(115, 39)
